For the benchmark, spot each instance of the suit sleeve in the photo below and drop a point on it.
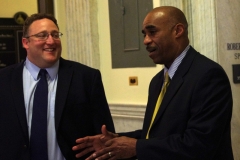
(208, 125)
(100, 109)
(134, 134)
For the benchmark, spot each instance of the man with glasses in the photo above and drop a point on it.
(47, 102)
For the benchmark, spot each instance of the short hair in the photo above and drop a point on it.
(34, 17)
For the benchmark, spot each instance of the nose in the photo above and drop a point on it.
(49, 39)
(147, 40)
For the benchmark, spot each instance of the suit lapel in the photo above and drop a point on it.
(64, 80)
(18, 97)
(176, 82)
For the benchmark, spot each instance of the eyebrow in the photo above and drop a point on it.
(148, 27)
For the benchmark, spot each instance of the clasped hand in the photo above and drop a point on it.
(106, 146)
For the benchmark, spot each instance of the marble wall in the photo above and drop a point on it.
(228, 32)
(82, 28)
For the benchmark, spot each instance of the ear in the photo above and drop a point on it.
(179, 30)
(25, 42)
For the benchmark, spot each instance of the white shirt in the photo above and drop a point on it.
(30, 74)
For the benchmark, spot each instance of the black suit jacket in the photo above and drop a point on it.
(193, 121)
(80, 109)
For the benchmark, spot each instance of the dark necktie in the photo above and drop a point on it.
(38, 139)
(160, 98)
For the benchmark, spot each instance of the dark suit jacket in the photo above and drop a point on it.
(193, 121)
(80, 109)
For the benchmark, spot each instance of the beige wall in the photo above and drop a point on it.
(116, 80)
(9, 7)
(59, 12)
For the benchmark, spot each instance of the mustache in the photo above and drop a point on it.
(150, 49)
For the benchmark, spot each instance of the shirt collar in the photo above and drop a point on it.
(171, 71)
(34, 70)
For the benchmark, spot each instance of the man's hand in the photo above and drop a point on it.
(93, 143)
(116, 148)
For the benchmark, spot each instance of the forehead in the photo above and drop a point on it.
(153, 19)
(42, 25)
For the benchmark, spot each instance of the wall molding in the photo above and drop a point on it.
(132, 111)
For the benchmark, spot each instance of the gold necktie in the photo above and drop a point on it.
(160, 98)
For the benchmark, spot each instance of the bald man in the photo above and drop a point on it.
(193, 119)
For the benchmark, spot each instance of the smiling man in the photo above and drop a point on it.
(47, 102)
(42, 42)
(189, 107)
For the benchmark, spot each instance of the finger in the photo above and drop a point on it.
(81, 146)
(78, 147)
(106, 135)
(109, 142)
(91, 157)
(104, 131)
(108, 156)
(102, 157)
(101, 154)
(83, 140)
(85, 151)
(113, 158)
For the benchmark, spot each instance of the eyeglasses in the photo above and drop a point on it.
(44, 35)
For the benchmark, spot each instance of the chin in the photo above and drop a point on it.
(51, 60)
(156, 61)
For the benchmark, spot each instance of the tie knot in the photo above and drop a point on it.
(42, 73)
(166, 78)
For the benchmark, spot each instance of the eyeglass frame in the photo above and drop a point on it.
(45, 38)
